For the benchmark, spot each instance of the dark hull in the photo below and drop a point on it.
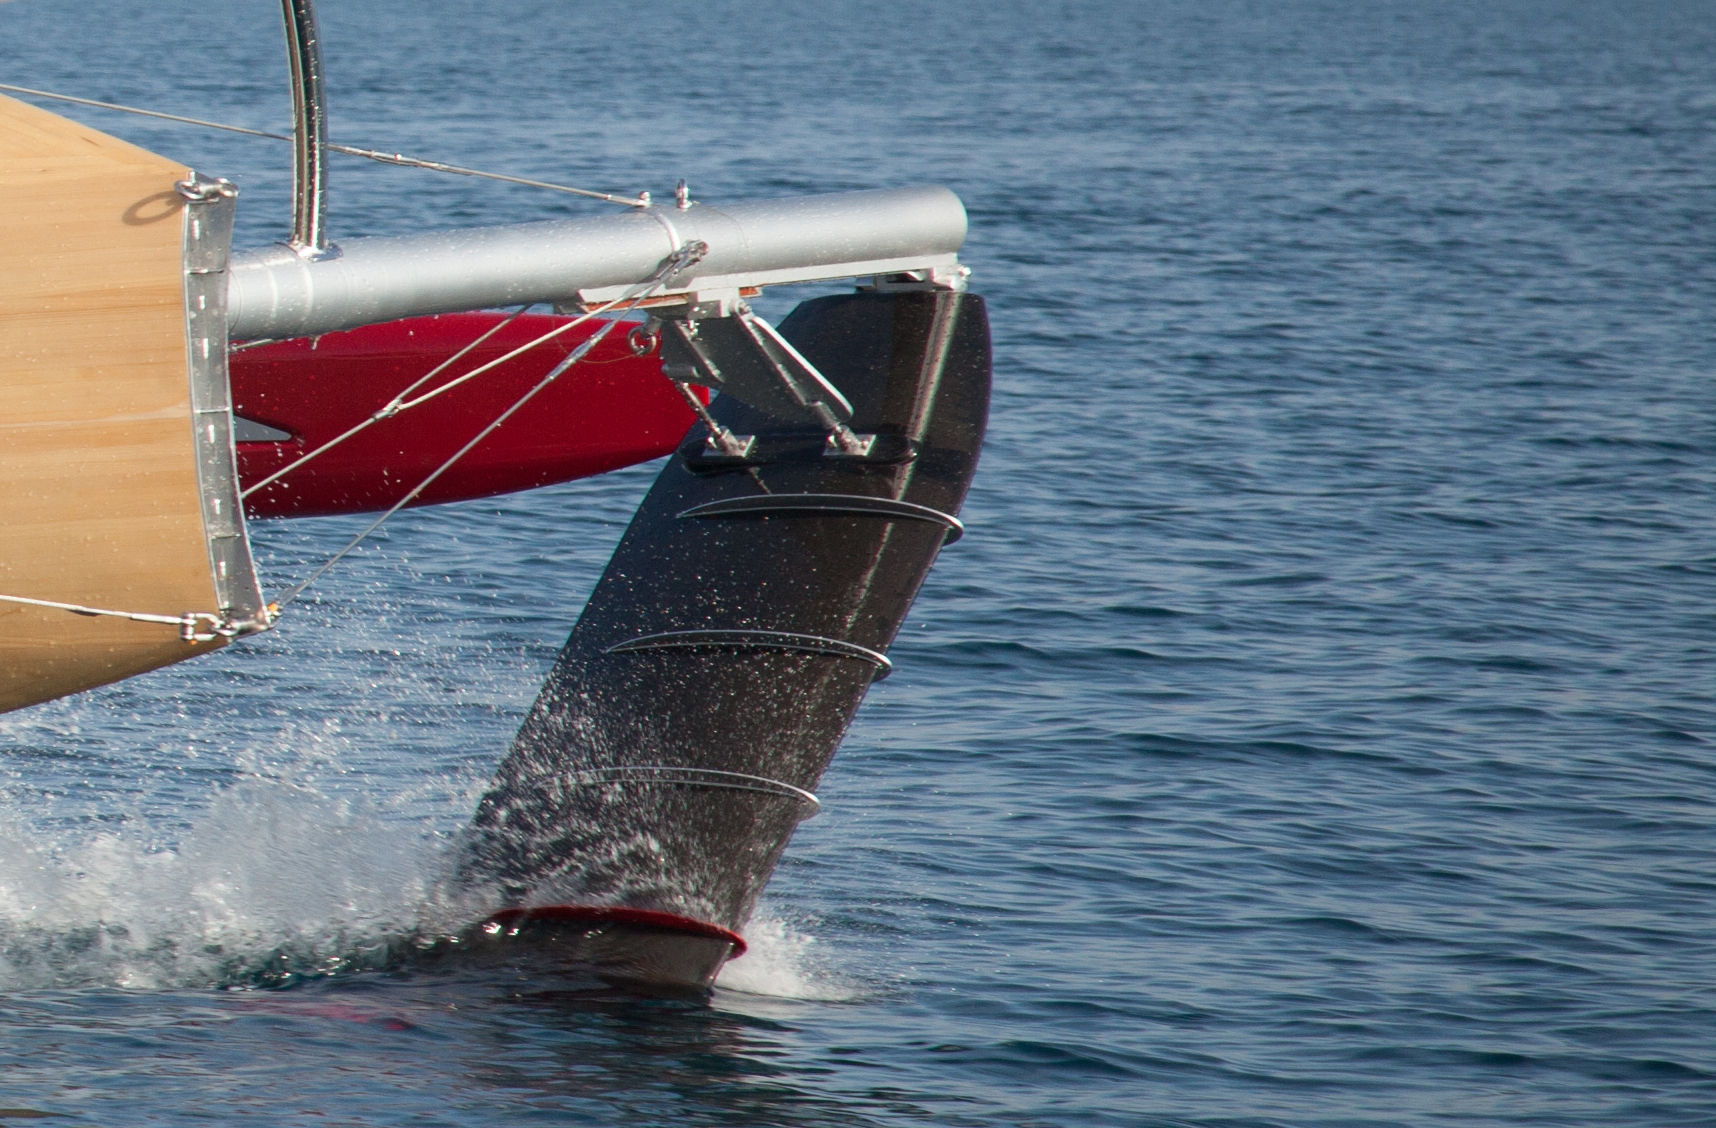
(629, 946)
(737, 628)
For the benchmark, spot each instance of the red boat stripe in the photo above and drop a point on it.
(619, 914)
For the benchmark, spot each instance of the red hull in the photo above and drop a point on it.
(620, 944)
(611, 409)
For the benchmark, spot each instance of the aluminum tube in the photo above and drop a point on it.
(310, 128)
(276, 294)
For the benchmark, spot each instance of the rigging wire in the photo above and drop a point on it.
(197, 626)
(399, 159)
(395, 405)
(218, 626)
(400, 404)
(686, 256)
(187, 623)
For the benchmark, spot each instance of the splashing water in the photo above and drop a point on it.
(274, 881)
(783, 962)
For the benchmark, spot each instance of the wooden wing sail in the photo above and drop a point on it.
(117, 482)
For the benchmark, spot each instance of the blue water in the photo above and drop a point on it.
(1315, 728)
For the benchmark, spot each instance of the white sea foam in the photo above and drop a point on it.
(289, 870)
(273, 877)
(783, 962)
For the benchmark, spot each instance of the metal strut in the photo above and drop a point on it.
(309, 131)
(723, 345)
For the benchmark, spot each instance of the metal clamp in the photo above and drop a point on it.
(201, 190)
(200, 626)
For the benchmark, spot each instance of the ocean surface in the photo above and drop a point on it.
(1316, 727)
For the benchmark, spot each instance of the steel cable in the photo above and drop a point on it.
(400, 159)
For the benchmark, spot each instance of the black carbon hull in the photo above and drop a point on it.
(708, 683)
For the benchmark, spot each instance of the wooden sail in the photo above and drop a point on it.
(102, 501)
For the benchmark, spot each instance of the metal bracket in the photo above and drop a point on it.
(716, 340)
(207, 243)
(945, 278)
(722, 446)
